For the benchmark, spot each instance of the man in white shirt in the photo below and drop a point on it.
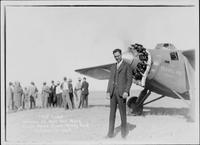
(32, 94)
(118, 90)
(10, 96)
(59, 94)
(77, 92)
(45, 95)
(65, 94)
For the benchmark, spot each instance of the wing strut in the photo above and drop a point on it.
(180, 97)
(154, 100)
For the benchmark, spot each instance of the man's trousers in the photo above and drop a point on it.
(114, 100)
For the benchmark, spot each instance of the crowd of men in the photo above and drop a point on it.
(59, 94)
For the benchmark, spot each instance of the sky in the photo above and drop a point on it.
(45, 44)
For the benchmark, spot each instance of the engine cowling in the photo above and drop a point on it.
(138, 58)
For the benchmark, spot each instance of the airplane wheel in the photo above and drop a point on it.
(131, 101)
(134, 109)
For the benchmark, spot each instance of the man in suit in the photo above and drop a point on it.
(32, 91)
(59, 94)
(71, 93)
(10, 96)
(45, 95)
(65, 94)
(77, 92)
(118, 89)
(84, 93)
(52, 97)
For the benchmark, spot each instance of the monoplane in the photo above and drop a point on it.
(171, 75)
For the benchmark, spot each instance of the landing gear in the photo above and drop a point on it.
(133, 108)
(135, 104)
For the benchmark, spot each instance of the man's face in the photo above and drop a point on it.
(134, 52)
(118, 56)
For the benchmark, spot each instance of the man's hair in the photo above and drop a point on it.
(65, 78)
(117, 50)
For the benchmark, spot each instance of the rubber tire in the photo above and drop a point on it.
(135, 110)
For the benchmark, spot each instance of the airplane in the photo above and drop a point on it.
(171, 75)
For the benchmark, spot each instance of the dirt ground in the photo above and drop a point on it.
(163, 122)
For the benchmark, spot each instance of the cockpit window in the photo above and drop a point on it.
(174, 55)
(165, 45)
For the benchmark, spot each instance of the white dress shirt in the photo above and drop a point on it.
(118, 64)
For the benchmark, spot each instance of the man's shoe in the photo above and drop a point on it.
(110, 136)
(124, 135)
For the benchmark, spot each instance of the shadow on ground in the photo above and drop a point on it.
(130, 127)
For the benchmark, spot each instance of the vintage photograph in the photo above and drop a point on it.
(100, 72)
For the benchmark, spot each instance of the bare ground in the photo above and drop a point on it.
(163, 121)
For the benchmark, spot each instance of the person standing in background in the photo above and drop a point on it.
(77, 92)
(26, 98)
(84, 94)
(59, 94)
(85, 91)
(71, 94)
(65, 94)
(23, 101)
(18, 92)
(32, 91)
(53, 94)
(10, 93)
(44, 95)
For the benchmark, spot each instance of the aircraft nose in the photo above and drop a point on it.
(127, 57)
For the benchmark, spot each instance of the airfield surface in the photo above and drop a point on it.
(163, 121)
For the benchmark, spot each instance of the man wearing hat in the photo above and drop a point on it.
(10, 96)
(45, 94)
(84, 94)
(52, 96)
(65, 94)
(32, 91)
(59, 94)
(71, 94)
(77, 92)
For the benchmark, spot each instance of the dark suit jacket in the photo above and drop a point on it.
(124, 79)
(70, 86)
(84, 88)
(53, 90)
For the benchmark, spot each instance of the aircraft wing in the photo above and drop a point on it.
(101, 72)
(190, 55)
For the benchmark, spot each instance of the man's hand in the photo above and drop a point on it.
(108, 96)
(125, 95)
